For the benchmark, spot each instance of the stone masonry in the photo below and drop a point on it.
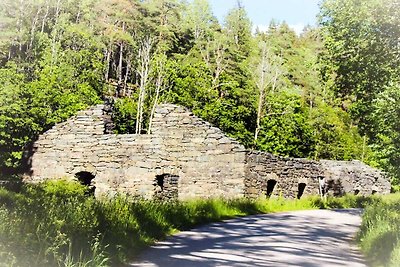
(270, 175)
(184, 157)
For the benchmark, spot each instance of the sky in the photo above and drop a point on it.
(296, 13)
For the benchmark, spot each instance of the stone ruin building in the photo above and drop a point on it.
(185, 157)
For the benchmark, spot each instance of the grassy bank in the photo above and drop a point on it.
(379, 235)
(57, 224)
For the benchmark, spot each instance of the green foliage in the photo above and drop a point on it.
(124, 115)
(284, 129)
(360, 36)
(361, 65)
(227, 107)
(58, 223)
(58, 57)
(335, 137)
(17, 126)
(49, 224)
(348, 201)
(379, 235)
(68, 78)
(386, 126)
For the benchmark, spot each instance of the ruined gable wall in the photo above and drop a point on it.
(210, 163)
(118, 162)
(67, 145)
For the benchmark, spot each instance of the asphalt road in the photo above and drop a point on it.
(304, 238)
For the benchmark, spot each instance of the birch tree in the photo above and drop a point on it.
(159, 85)
(266, 78)
(144, 57)
(198, 19)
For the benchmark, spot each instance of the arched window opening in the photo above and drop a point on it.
(300, 191)
(270, 187)
(322, 186)
(166, 187)
(160, 181)
(86, 178)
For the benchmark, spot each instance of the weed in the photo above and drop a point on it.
(59, 224)
(379, 234)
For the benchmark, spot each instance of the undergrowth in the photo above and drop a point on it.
(58, 224)
(379, 234)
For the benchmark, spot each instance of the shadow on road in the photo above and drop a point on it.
(305, 238)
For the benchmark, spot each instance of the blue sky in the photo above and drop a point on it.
(297, 13)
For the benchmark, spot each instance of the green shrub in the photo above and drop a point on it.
(395, 256)
(58, 223)
(45, 222)
(349, 201)
(379, 234)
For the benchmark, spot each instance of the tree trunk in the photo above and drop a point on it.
(33, 28)
(261, 87)
(19, 25)
(128, 68)
(108, 57)
(269, 71)
(45, 16)
(119, 71)
(144, 70)
(55, 33)
(121, 50)
(159, 88)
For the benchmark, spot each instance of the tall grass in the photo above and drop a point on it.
(379, 234)
(58, 224)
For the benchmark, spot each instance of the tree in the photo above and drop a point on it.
(362, 44)
(199, 20)
(266, 74)
(16, 125)
(286, 131)
(144, 73)
(160, 83)
(386, 113)
(362, 59)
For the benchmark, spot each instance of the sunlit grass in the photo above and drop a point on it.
(57, 224)
(379, 235)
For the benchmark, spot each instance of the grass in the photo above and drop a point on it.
(58, 224)
(379, 235)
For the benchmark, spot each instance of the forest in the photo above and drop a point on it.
(332, 92)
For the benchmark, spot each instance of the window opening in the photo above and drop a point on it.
(86, 178)
(166, 187)
(301, 188)
(270, 187)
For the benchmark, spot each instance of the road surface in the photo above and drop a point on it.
(304, 238)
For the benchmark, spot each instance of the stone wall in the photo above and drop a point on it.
(183, 157)
(206, 162)
(269, 175)
(353, 177)
(209, 162)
